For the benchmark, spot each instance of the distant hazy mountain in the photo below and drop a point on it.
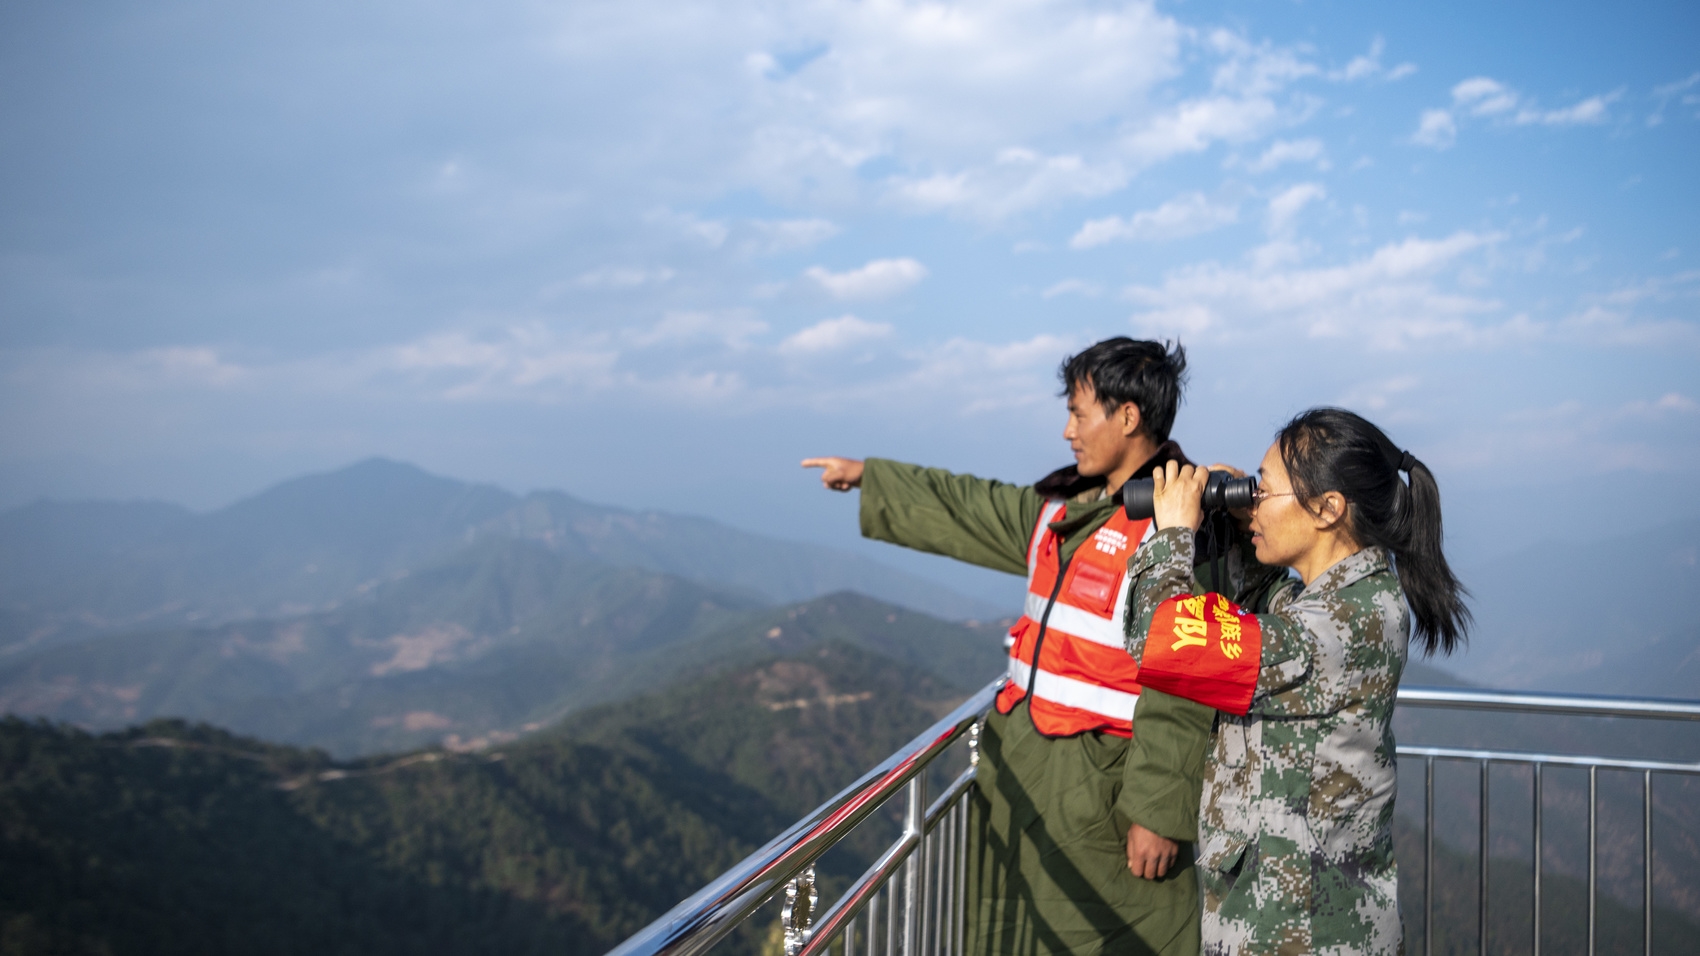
(498, 638)
(68, 569)
(704, 550)
(1610, 613)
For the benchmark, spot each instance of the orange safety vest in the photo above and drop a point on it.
(1085, 679)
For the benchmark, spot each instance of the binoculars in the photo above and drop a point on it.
(1222, 492)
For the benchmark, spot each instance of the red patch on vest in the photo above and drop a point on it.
(1094, 588)
(1206, 649)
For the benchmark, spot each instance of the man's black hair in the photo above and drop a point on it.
(1148, 374)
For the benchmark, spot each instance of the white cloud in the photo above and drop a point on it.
(731, 327)
(1590, 110)
(1670, 403)
(1016, 181)
(1368, 66)
(1641, 435)
(522, 361)
(954, 82)
(1195, 125)
(831, 335)
(1387, 299)
(772, 236)
(1365, 65)
(1377, 395)
(1680, 90)
(983, 377)
(1290, 202)
(878, 279)
(1436, 128)
(1080, 287)
(1290, 151)
(1650, 313)
(622, 278)
(1178, 218)
(709, 232)
(1483, 97)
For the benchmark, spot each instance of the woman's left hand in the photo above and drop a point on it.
(1178, 495)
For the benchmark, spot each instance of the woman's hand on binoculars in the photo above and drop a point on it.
(1177, 495)
(838, 474)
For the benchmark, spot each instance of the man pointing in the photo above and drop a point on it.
(1079, 816)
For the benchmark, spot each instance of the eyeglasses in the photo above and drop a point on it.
(1260, 496)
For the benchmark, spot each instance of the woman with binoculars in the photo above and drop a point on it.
(1295, 849)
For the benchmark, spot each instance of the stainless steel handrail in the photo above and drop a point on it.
(870, 882)
(706, 916)
(1585, 705)
(1550, 704)
(1565, 760)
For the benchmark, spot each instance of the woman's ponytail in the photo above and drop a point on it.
(1435, 594)
(1331, 449)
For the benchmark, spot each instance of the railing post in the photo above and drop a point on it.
(1483, 896)
(1537, 790)
(1428, 856)
(914, 824)
(1593, 846)
(962, 911)
(1647, 860)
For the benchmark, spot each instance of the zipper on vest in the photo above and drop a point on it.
(1039, 642)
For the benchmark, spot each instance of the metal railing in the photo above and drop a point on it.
(1576, 705)
(911, 902)
(708, 915)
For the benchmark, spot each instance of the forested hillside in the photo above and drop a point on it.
(175, 838)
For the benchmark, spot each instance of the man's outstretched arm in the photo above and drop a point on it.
(977, 520)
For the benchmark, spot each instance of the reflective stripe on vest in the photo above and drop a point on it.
(1074, 693)
(1085, 679)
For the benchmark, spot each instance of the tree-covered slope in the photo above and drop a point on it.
(183, 839)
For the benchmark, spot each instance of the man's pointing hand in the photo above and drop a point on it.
(838, 474)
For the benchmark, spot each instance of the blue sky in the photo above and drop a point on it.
(653, 253)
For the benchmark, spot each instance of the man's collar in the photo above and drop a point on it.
(1069, 484)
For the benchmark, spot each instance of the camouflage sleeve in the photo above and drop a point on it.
(1308, 649)
(1161, 569)
(1305, 638)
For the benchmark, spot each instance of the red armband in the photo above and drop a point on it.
(1204, 648)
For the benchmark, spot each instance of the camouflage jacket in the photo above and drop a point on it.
(1295, 830)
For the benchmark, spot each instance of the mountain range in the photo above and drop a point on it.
(1602, 613)
(71, 568)
(382, 608)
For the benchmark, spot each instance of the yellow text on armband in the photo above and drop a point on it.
(1190, 632)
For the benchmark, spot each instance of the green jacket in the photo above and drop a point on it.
(1049, 866)
(1296, 850)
